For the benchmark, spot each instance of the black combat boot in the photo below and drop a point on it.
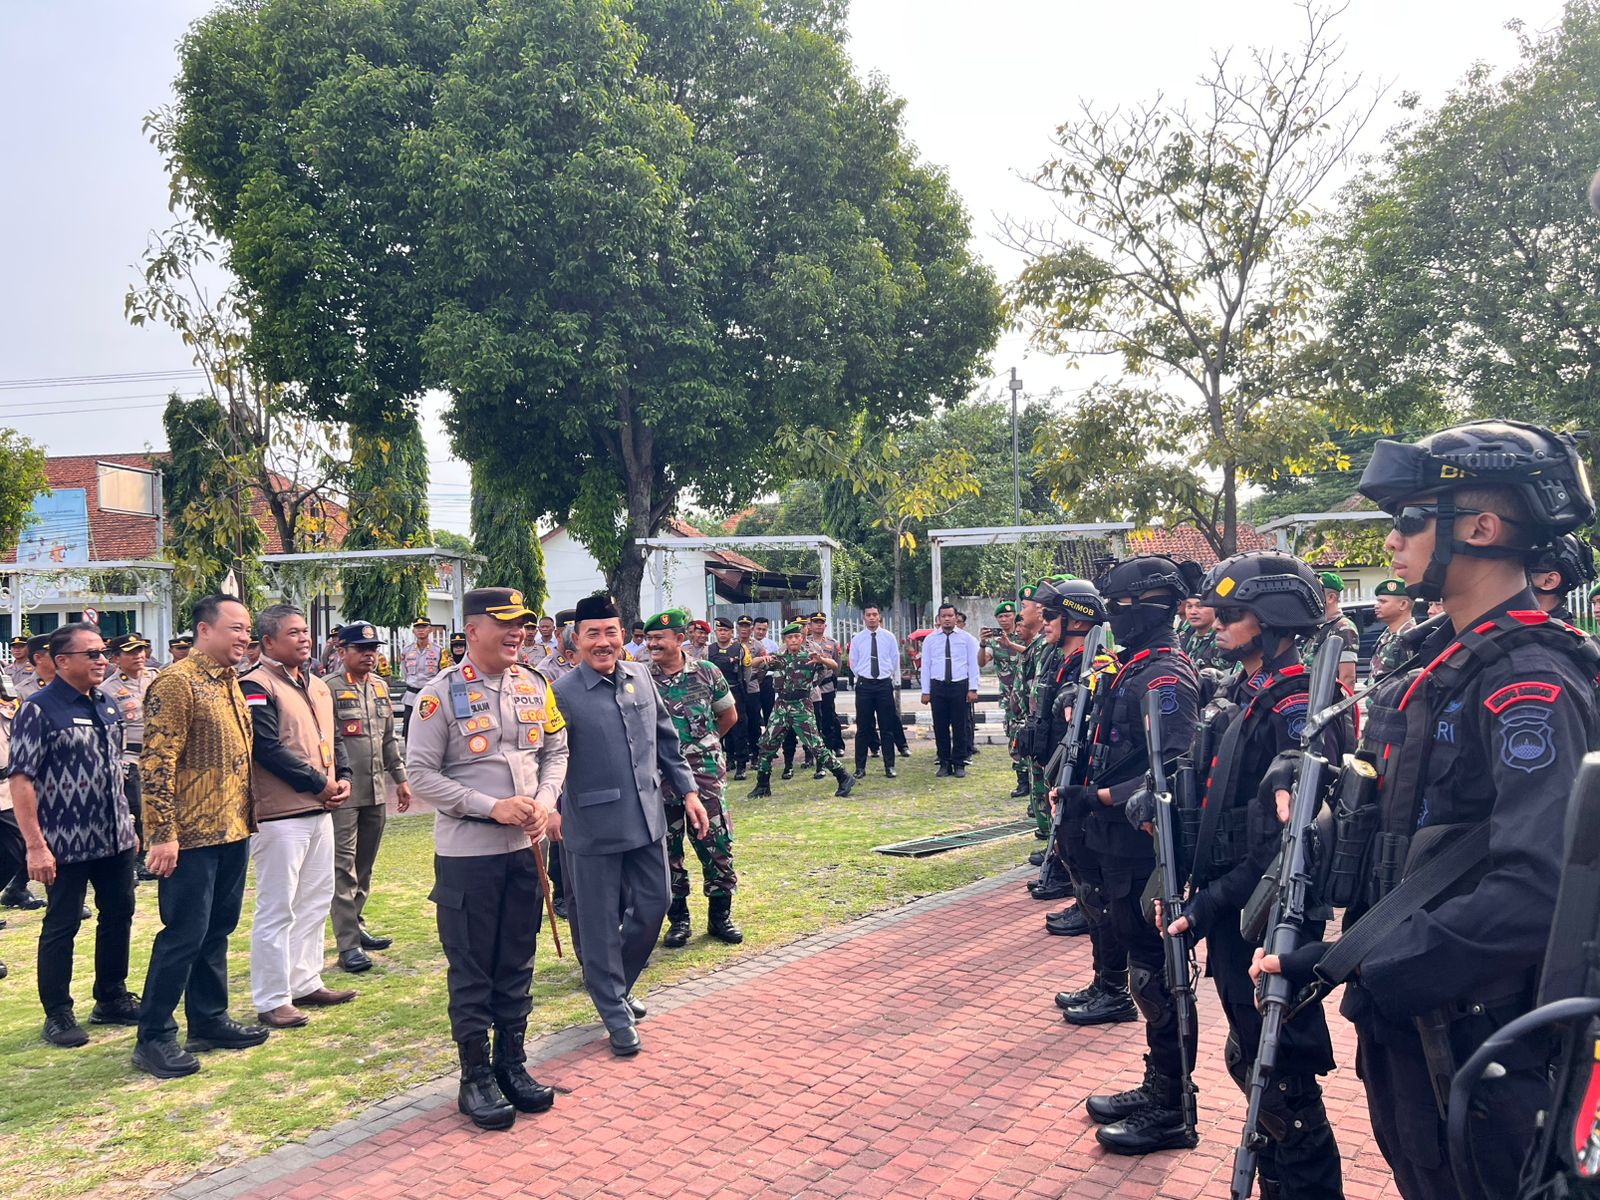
(1066, 1000)
(763, 786)
(678, 926)
(847, 781)
(480, 1096)
(821, 772)
(1022, 788)
(1157, 1126)
(1104, 1109)
(788, 769)
(511, 1073)
(739, 770)
(1111, 1006)
(719, 920)
(1069, 922)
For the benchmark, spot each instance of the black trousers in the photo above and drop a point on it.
(490, 909)
(13, 850)
(876, 718)
(112, 879)
(952, 730)
(769, 698)
(1124, 884)
(134, 787)
(750, 726)
(199, 903)
(828, 722)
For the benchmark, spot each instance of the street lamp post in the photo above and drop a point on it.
(1016, 478)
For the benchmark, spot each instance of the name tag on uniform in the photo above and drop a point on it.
(82, 721)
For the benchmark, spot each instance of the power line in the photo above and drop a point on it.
(113, 377)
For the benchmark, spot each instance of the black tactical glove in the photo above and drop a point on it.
(1077, 801)
(1300, 965)
(1141, 809)
(1281, 773)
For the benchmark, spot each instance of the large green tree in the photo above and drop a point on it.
(212, 529)
(627, 238)
(22, 477)
(1176, 250)
(505, 530)
(388, 511)
(1465, 268)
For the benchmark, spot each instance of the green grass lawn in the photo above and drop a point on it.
(74, 1122)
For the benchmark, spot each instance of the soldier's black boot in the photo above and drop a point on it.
(1105, 1109)
(739, 770)
(821, 772)
(763, 786)
(847, 781)
(678, 925)
(1111, 1005)
(719, 920)
(480, 1097)
(1157, 1126)
(788, 769)
(511, 1072)
(1066, 1000)
(1022, 787)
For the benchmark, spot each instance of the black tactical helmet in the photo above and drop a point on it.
(1076, 599)
(1283, 592)
(1148, 573)
(1570, 555)
(1542, 467)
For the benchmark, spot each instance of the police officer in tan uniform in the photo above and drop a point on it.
(419, 662)
(488, 750)
(364, 719)
(126, 686)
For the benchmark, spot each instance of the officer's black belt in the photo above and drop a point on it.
(792, 696)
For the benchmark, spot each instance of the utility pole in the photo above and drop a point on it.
(1016, 478)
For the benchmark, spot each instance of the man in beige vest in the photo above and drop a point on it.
(299, 773)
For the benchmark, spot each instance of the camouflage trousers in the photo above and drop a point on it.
(715, 850)
(1038, 797)
(793, 716)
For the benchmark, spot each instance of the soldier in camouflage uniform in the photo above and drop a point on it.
(1392, 606)
(1006, 655)
(1030, 634)
(700, 702)
(1333, 622)
(794, 673)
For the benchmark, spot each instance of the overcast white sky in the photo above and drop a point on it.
(985, 82)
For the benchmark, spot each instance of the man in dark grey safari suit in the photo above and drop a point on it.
(612, 821)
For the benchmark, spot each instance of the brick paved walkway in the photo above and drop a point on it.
(912, 1054)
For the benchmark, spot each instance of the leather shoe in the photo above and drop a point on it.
(636, 1007)
(226, 1034)
(1053, 891)
(861, 772)
(624, 1041)
(23, 899)
(890, 773)
(788, 771)
(1066, 1000)
(355, 961)
(1071, 923)
(164, 1060)
(285, 1016)
(324, 997)
(959, 772)
(942, 773)
(3, 971)
(372, 941)
(560, 905)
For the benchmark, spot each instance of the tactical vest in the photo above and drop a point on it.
(1222, 840)
(730, 662)
(1384, 832)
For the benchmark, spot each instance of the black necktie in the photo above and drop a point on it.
(948, 677)
(874, 664)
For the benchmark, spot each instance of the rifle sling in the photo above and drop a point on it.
(1415, 892)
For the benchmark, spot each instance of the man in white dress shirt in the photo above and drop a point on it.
(875, 662)
(949, 685)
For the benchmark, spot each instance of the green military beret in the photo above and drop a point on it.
(1332, 580)
(1390, 587)
(793, 627)
(675, 619)
(1026, 592)
(1005, 606)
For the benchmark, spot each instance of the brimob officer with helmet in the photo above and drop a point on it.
(1562, 567)
(488, 749)
(1142, 595)
(1263, 601)
(1477, 740)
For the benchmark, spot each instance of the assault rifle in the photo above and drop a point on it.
(1066, 766)
(1286, 922)
(1178, 948)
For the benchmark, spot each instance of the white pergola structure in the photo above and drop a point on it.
(659, 547)
(1010, 535)
(18, 595)
(334, 559)
(1287, 531)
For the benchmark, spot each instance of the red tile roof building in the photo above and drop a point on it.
(1186, 542)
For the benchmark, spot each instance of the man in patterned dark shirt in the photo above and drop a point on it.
(67, 788)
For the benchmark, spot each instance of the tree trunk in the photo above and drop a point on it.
(897, 612)
(1230, 508)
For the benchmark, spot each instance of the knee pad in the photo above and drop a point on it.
(1149, 991)
(1233, 1056)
